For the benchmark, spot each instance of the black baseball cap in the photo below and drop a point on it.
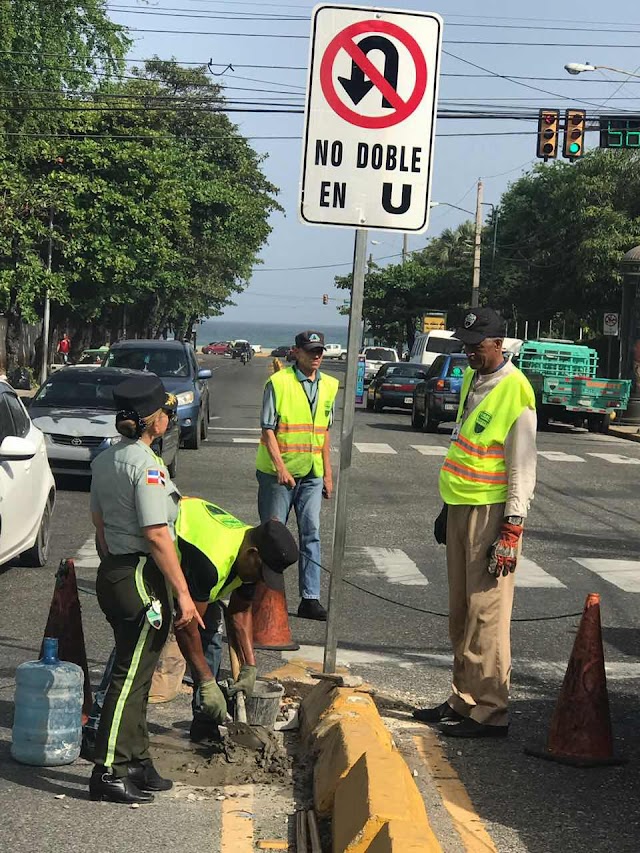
(310, 340)
(277, 548)
(143, 395)
(478, 324)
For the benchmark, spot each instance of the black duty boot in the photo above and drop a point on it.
(103, 785)
(145, 777)
(310, 608)
(441, 714)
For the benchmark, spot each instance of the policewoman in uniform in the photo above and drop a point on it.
(486, 483)
(134, 506)
(222, 557)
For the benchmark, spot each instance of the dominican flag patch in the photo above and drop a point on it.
(155, 477)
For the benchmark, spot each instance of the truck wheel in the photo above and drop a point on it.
(343, 356)
(598, 423)
(543, 422)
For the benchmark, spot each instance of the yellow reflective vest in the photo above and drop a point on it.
(299, 434)
(217, 535)
(474, 471)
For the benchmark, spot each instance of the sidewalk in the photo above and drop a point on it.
(631, 433)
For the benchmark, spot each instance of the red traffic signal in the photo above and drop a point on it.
(574, 130)
(548, 125)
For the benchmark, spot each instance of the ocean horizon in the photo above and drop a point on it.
(267, 335)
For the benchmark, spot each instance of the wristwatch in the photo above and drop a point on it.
(514, 519)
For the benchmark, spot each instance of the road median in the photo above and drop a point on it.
(360, 779)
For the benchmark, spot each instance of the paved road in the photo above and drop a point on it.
(582, 537)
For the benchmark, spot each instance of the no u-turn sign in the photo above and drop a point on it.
(370, 118)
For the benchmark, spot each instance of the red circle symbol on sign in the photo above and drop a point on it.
(345, 40)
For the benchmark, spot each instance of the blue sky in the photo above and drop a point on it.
(282, 290)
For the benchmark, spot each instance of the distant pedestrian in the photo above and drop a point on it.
(294, 468)
(486, 483)
(64, 348)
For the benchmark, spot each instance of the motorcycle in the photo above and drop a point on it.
(244, 358)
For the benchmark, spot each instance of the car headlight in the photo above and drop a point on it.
(114, 439)
(185, 398)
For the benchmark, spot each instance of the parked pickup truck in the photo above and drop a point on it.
(563, 376)
(335, 351)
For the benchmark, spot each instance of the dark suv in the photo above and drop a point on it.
(436, 398)
(175, 363)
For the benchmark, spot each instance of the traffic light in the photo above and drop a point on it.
(325, 298)
(548, 124)
(574, 128)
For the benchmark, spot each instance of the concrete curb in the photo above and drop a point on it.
(622, 433)
(360, 779)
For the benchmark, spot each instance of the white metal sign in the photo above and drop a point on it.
(370, 118)
(612, 324)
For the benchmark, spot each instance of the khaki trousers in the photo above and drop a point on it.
(479, 616)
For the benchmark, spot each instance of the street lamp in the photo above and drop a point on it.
(576, 68)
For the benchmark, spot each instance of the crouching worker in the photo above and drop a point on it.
(222, 557)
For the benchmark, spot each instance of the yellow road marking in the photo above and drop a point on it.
(237, 820)
(457, 802)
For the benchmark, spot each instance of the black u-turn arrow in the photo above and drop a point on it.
(356, 86)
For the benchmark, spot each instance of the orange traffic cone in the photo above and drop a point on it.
(271, 620)
(65, 623)
(580, 731)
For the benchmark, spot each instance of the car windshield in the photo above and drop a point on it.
(444, 345)
(93, 392)
(379, 354)
(406, 370)
(162, 362)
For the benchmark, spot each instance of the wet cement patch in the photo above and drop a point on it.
(211, 765)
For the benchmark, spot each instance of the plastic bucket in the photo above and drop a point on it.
(263, 706)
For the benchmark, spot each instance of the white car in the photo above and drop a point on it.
(335, 351)
(27, 487)
(375, 357)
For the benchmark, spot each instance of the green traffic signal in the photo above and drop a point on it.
(574, 148)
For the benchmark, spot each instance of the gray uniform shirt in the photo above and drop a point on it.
(131, 489)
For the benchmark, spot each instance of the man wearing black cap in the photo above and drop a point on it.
(221, 557)
(486, 483)
(293, 464)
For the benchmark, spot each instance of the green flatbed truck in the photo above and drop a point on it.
(564, 378)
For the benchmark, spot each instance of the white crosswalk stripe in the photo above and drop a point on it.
(87, 556)
(559, 456)
(616, 458)
(391, 564)
(375, 448)
(430, 449)
(532, 576)
(625, 574)
(245, 440)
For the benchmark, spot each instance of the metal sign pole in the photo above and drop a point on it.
(346, 448)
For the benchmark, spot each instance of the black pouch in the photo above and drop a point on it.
(440, 526)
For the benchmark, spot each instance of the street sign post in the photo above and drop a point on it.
(370, 118)
(611, 324)
(366, 163)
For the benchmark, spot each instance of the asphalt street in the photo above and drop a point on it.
(582, 536)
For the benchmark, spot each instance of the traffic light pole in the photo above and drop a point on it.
(475, 290)
(346, 449)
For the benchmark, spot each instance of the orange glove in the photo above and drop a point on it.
(503, 554)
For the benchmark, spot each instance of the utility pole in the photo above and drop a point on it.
(475, 290)
(405, 247)
(47, 306)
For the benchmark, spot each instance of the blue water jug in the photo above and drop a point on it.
(47, 726)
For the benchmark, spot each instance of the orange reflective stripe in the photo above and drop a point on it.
(491, 451)
(283, 427)
(299, 448)
(497, 479)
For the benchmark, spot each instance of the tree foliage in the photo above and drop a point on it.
(159, 205)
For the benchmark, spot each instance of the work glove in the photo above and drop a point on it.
(440, 526)
(212, 701)
(503, 554)
(245, 681)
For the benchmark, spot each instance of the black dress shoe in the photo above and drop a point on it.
(310, 608)
(442, 714)
(103, 785)
(471, 728)
(145, 777)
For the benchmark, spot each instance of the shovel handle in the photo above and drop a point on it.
(240, 709)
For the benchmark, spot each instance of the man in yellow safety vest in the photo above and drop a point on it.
(293, 465)
(486, 483)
